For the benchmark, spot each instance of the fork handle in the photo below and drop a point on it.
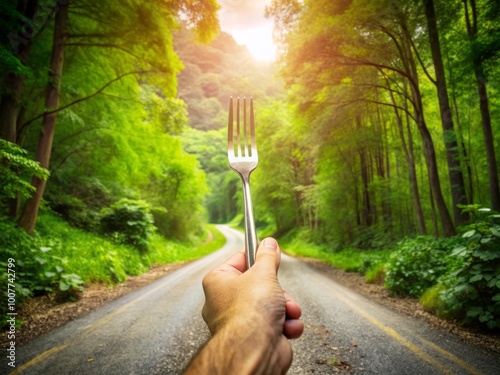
(251, 241)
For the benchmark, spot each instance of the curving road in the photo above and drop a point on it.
(157, 329)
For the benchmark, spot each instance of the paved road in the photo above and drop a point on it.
(157, 329)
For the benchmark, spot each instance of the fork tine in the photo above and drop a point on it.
(230, 137)
(253, 148)
(238, 132)
(245, 133)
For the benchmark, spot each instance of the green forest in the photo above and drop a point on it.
(378, 129)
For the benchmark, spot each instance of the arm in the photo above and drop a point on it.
(250, 317)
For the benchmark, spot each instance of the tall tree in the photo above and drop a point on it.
(484, 46)
(29, 215)
(21, 40)
(458, 192)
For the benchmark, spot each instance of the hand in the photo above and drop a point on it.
(250, 309)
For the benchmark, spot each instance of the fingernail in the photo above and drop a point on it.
(270, 243)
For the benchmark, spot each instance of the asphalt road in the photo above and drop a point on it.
(157, 329)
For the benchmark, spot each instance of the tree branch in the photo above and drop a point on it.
(107, 45)
(48, 112)
(414, 47)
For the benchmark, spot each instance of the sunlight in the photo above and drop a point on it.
(259, 42)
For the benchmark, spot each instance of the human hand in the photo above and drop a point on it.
(250, 304)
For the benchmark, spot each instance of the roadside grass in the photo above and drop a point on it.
(98, 259)
(369, 263)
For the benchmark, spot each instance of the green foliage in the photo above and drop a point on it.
(38, 270)
(473, 289)
(16, 167)
(74, 211)
(418, 263)
(432, 301)
(129, 222)
(350, 260)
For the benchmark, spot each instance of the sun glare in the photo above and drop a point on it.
(259, 42)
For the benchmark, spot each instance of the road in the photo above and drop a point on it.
(157, 329)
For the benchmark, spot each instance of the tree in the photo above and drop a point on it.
(20, 39)
(356, 35)
(458, 193)
(484, 45)
(29, 215)
(83, 27)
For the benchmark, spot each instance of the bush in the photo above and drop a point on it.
(417, 264)
(129, 222)
(474, 288)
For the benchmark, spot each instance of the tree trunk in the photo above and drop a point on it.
(366, 201)
(428, 146)
(30, 212)
(410, 161)
(13, 83)
(457, 184)
(489, 146)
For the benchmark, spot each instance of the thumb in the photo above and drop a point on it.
(268, 256)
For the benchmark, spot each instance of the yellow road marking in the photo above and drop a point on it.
(37, 359)
(415, 349)
(450, 356)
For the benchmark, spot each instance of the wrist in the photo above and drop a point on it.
(239, 348)
(251, 348)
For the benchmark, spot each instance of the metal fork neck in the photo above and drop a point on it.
(251, 241)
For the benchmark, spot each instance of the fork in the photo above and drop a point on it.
(243, 158)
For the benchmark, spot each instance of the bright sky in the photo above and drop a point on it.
(245, 21)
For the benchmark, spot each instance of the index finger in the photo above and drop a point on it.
(237, 262)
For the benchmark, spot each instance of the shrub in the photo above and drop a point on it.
(130, 222)
(474, 288)
(417, 264)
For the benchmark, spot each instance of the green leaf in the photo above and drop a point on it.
(59, 269)
(475, 311)
(50, 274)
(40, 260)
(496, 297)
(459, 251)
(495, 232)
(63, 286)
(486, 254)
(469, 233)
(44, 249)
(476, 278)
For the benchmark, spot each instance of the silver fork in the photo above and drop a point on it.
(243, 158)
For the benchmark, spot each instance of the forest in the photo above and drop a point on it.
(377, 128)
